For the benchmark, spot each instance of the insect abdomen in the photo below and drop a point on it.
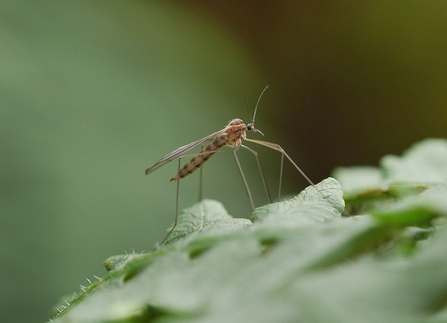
(201, 157)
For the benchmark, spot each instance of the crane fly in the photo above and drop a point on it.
(231, 136)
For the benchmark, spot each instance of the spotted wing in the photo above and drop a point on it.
(181, 151)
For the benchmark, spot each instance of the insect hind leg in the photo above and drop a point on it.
(177, 194)
(200, 196)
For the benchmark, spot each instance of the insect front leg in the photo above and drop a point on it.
(278, 148)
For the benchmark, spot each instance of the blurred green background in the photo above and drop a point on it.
(92, 93)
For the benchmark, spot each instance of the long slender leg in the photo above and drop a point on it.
(177, 194)
(279, 149)
(176, 212)
(247, 189)
(201, 179)
(255, 153)
(280, 177)
(200, 183)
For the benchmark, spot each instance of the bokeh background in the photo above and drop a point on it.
(92, 93)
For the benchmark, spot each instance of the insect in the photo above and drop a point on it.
(231, 136)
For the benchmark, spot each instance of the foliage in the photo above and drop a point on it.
(308, 259)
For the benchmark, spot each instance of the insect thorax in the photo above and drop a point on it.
(235, 131)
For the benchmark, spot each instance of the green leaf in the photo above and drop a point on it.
(425, 162)
(357, 178)
(299, 261)
(205, 216)
(319, 203)
(420, 167)
(416, 210)
(118, 262)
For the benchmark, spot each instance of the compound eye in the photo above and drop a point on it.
(249, 127)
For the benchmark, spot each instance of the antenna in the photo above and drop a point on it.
(256, 107)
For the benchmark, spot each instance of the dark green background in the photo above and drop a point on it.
(92, 93)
